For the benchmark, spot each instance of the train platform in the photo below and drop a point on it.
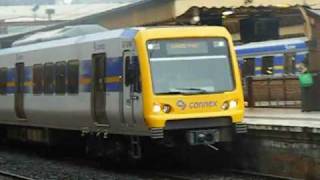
(282, 142)
(274, 117)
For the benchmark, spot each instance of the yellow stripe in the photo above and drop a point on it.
(279, 67)
(84, 81)
(113, 79)
(28, 83)
(258, 68)
(11, 84)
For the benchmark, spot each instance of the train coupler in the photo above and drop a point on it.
(203, 137)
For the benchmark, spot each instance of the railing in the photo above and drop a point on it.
(273, 91)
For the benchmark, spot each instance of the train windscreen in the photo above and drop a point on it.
(195, 65)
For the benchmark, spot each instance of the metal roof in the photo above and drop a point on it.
(65, 32)
(62, 12)
(315, 13)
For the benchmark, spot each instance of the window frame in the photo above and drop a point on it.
(73, 88)
(265, 65)
(3, 85)
(60, 75)
(38, 83)
(46, 85)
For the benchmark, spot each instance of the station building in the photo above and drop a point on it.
(260, 19)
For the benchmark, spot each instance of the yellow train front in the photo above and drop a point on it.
(191, 86)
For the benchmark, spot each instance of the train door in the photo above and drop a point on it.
(98, 95)
(289, 63)
(19, 94)
(128, 94)
(248, 68)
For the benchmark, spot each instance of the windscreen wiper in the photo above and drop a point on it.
(190, 90)
(193, 89)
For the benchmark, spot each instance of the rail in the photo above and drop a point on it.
(4, 175)
(273, 91)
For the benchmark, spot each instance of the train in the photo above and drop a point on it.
(118, 90)
(273, 57)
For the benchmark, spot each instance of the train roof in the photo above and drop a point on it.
(65, 32)
(272, 45)
(125, 33)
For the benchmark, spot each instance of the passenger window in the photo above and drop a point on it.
(37, 79)
(60, 77)
(49, 78)
(267, 65)
(73, 77)
(3, 81)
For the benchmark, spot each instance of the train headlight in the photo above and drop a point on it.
(166, 108)
(229, 105)
(225, 105)
(233, 104)
(156, 108)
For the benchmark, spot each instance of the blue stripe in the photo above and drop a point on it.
(11, 90)
(86, 68)
(278, 60)
(85, 88)
(278, 71)
(11, 74)
(299, 46)
(114, 87)
(129, 33)
(300, 58)
(27, 73)
(114, 66)
(258, 62)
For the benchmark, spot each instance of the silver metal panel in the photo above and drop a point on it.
(7, 108)
(113, 110)
(66, 112)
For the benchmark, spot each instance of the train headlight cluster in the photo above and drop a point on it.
(157, 108)
(232, 104)
(166, 108)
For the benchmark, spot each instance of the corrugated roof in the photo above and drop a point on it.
(315, 12)
(183, 5)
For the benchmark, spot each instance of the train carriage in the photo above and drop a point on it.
(150, 83)
(274, 57)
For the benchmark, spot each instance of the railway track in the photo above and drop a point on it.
(238, 174)
(10, 176)
(262, 175)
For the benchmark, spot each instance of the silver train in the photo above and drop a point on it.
(101, 85)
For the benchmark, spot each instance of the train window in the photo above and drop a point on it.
(3, 81)
(289, 63)
(49, 78)
(73, 77)
(267, 65)
(60, 77)
(248, 68)
(37, 79)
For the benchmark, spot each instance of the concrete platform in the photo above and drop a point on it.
(292, 118)
(282, 142)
